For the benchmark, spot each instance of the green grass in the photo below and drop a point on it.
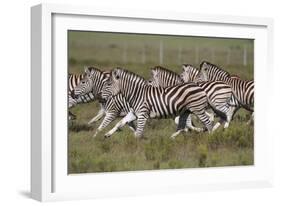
(123, 152)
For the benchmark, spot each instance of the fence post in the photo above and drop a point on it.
(196, 55)
(213, 55)
(124, 52)
(161, 52)
(179, 54)
(245, 56)
(228, 56)
(143, 55)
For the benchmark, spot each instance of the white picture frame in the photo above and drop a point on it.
(49, 178)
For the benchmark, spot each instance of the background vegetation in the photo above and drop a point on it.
(139, 53)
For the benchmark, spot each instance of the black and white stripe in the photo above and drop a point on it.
(218, 93)
(242, 89)
(156, 102)
(95, 82)
(75, 82)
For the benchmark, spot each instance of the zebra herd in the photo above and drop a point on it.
(166, 94)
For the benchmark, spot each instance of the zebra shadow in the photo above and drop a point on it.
(77, 127)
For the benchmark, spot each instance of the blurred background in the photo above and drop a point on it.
(141, 52)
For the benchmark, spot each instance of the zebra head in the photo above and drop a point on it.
(211, 72)
(92, 82)
(154, 80)
(125, 82)
(189, 73)
(106, 91)
(162, 77)
(112, 86)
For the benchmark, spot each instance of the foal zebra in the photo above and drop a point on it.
(218, 93)
(243, 90)
(148, 101)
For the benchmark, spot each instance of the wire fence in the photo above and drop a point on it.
(160, 53)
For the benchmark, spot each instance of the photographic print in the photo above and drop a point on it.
(147, 102)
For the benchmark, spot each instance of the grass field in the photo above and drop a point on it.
(138, 53)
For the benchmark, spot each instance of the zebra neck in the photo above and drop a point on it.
(86, 98)
(194, 76)
(222, 78)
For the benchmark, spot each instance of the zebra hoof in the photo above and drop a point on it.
(72, 117)
(107, 135)
(172, 137)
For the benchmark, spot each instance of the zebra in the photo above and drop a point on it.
(243, 90)
(218, 93)
(148, 101)
(113, 106)
(162, 77)
(230, 106)
(74, 99)
(73, 81)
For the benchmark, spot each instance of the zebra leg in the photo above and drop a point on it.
(189, 124)
(229, 116)
(127, 119)
(109, 117)
(211, 116)
(251, 119)
(141, 121)
(71, 116)
(181, 125)
(204, 119)
(132, 126)
(225, 112)
(100, 114)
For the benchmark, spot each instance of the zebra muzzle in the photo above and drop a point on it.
(73, 95)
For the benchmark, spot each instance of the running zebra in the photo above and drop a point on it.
(162, 77)
(74, 81)
(191, 74)
(218, 93)
(148, 101)
(113, 106)
(243, 90)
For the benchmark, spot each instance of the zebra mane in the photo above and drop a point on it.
(125, 72)
(160, 68)
(193, 67)
(214, 66)
(91, 68)
(190, 65)
(235, 76)
(71, 75)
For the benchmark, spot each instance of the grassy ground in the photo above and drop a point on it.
(123, 152)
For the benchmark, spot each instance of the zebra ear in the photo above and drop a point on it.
(107, 74)
(154, 73)
(86, 69)
(203, 64)
(184, 67)
(114, 74)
